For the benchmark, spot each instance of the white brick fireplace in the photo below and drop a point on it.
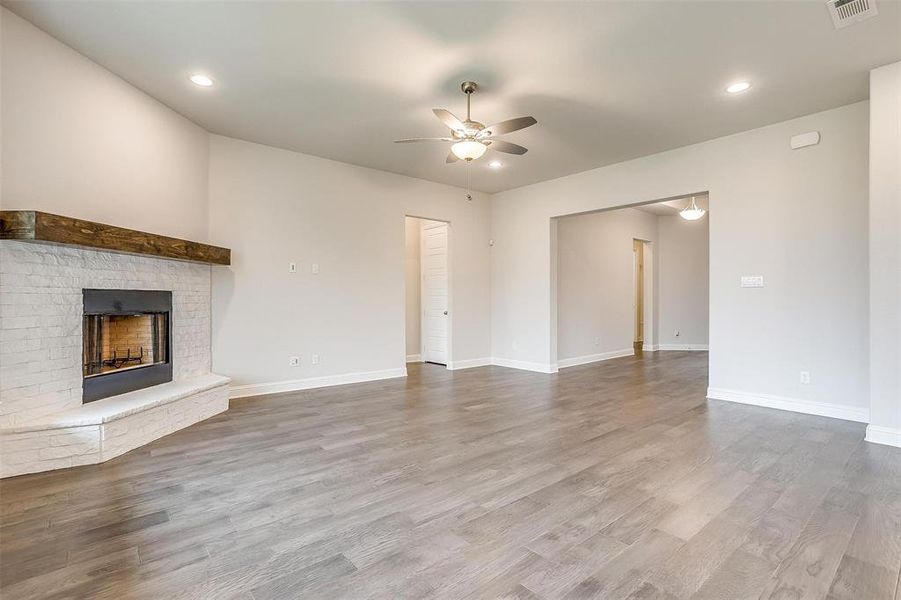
(43, 423)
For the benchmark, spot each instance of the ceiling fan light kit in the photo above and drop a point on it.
(472, 139)
(469, 150)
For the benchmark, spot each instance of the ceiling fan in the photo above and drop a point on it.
(470, 138)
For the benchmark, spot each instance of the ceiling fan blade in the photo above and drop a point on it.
(449, 119)
(408, 140)
(507, 126)
(451, 158)
(502, 146)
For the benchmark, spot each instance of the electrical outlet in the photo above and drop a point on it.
(315, 359)
(292, 267)
(294, 361)
(597, 341)
(805, 377)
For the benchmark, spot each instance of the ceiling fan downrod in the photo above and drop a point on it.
(469, 88)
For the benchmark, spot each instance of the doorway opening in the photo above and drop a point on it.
(427, 291)
(629, 281)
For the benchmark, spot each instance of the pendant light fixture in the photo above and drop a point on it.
(692, 212)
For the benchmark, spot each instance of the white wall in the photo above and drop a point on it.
(275, 206)
(682, 282)
(885, 255)
(595, 313)
(412, 286)
(798, 218)
(77, 140)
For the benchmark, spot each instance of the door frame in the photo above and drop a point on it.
(638, 292)
(648, 295)
(450, 291)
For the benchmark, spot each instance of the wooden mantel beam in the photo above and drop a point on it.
(36, 226)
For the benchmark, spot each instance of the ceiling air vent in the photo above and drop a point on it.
(848, 12)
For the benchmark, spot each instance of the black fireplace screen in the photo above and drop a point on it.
(126, 339)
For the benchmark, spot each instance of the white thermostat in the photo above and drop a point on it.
(811, 138)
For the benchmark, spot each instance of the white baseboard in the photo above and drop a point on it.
(524, 365)
(884, 435)
(414, 358)
(276, 387)
(684, 347)
(650, 347)
(809, 407)
(591, 358)
(456, 365)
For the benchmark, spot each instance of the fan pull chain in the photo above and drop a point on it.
(469, 181)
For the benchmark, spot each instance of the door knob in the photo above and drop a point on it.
(445, 313)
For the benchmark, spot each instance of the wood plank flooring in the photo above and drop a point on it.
(610, 480)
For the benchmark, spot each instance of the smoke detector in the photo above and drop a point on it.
(849, 12)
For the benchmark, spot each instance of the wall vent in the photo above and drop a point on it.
(849, 12)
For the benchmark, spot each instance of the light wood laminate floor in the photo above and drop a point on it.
(611, 480)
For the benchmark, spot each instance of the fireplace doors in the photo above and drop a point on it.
(126, 341)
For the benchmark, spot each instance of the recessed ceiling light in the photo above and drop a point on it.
(738, 87)
(495, 164)
(201, 80)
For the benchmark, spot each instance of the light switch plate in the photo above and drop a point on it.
(752, 281)
(315, 268)
(292, 267)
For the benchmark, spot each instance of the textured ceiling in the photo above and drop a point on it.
(607, 81)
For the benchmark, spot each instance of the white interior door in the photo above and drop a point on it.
(434, 292)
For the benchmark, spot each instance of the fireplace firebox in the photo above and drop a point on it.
(126, 341)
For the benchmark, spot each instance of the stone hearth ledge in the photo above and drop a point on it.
(101, 430)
